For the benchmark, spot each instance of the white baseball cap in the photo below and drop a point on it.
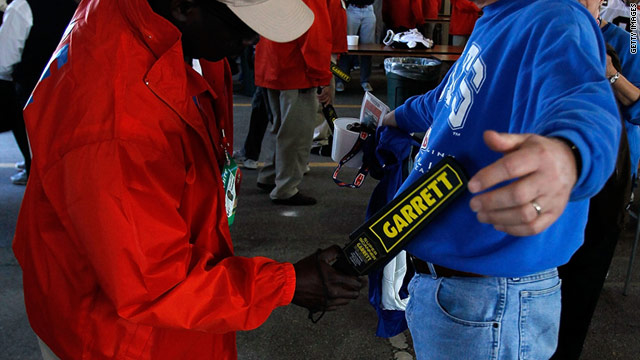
(276, 20)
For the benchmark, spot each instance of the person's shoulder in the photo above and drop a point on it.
(560, 16)
(615, 31)
(561, 10)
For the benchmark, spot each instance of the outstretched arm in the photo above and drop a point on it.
(533, 201)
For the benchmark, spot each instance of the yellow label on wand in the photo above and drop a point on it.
(335, 69)
(416, 207)
(391, 228)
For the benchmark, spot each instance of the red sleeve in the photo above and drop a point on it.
(338, 26)
(125, 212)
(315, 45)
(431, 8)
(466, 6)
(416, 8)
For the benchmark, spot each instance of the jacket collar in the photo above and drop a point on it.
(158, 33)
(169, 78)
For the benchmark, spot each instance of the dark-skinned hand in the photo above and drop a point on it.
(311, 271)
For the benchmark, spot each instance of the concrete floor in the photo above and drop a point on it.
(290, 233)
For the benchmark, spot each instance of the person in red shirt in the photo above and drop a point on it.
(123, 235)
(464, 14)
(291, 72)
(431, 8)
(402, 15)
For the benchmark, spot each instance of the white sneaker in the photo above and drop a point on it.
(19, 178)
(367, 87)
(250, 164)
(306, 171)
(20, 165)
(339, 86)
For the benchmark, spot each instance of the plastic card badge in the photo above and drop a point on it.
(231, 178)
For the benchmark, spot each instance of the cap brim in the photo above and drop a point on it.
(276, 20)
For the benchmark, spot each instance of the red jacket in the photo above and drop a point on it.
(299, 64)
(122, 234)
(402, 13)
(338, 17)
(431, 8)
(464, 14)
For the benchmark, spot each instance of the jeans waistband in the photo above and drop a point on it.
(545, 274)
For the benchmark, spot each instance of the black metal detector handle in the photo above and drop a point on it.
(342, 265)
(329, 112)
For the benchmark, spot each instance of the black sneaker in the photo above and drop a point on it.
(325, 150)
(315, 150)
(266, 187)
(296, 200)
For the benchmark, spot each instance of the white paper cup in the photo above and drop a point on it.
(343, 141)
(352, 40)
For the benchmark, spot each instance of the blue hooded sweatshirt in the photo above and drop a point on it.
(530, 66)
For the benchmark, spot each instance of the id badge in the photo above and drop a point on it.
(231, 178)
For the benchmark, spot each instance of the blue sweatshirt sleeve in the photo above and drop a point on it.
(575, 100)
(416, 114)
(632, 112)
(619, 39)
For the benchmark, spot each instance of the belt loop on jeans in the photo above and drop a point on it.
(432, 269)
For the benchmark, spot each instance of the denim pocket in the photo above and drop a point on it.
(469, 301)
(540, 320)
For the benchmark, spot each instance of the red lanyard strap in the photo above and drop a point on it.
(364, 169)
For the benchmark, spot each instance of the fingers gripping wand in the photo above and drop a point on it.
(328, 110)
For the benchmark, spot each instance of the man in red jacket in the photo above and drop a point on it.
(122, 235)
(291, 72)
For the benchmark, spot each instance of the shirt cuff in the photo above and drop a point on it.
(289, 285)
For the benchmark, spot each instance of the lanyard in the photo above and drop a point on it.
(231, 174)
(219, 140)
(364, 169)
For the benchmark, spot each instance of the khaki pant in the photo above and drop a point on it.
(294, 114)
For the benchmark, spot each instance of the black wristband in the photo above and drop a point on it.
(576, 154)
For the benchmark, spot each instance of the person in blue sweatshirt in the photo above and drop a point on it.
(530, 115)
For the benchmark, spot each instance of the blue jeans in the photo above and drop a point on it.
(484, 318)
(361, 22)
